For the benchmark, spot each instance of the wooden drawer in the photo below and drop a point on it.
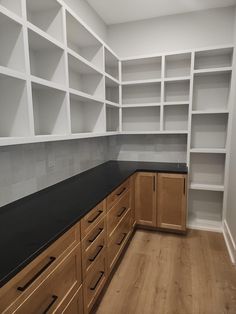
(91, 219)
(49, 295)
(73, 304)
(117, 212)
(118, 239)
(117, 194)
(16, 290)
(94, 283)
(93, 250)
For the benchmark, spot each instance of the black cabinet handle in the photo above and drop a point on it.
(98, 280)
(95, 217)
(122, 240)
(54, 298)
(118, 194)
(154, 183)
(123, 209)
(96, 235)
(29, 283)
(100, 247)
(184, 186)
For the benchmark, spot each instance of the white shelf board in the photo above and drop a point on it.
(137, 82)
(85, 95)
(208, 150)
(142, 105)
(12, 73)
(207, 187)
(213, 70)
(175, 103)
(205, 225)
(176, 79)
(209, 111)
(154, 132)
(47, 83)
(112, 78)
(12, 15)
(112, 104)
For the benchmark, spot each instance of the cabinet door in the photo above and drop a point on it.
(145, 198)
(171, 201)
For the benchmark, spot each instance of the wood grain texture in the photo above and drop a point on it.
(172, 274)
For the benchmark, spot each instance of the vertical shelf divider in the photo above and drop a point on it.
(163, 66)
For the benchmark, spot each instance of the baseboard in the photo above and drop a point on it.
(231, 246)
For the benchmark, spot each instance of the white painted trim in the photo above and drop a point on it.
(231, 246)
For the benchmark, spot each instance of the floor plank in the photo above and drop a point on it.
(173, 274)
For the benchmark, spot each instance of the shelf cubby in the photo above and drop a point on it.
(178, 65)
(112, 119)
(141, 93)
(207, 169)
(84, 78)
(14, 115)
(47, 61)
(83, 42)
(209, 130)
(50, 113)
(112, 90)
(215, 58)
(14, 6)
(211, 91)
(176, 117)
(111, 64)
(141, 119)
(46, 15)
(87, 116)
(12, 54)
(177, 91)
(141, 69)
(205, 208)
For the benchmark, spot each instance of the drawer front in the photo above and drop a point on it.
(72, 305)
(118, 239)
(55, 288)
(117, 194)
(31, 277)
(94, 283)
(117, 212)
(97, 232)
(92, 218)
(93, 252)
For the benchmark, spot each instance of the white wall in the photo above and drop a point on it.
(89, 16)
(171, 33)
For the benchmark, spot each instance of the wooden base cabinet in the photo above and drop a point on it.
(172, 201)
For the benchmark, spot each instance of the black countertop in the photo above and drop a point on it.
(28, 226)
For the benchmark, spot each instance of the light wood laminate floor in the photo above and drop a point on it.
(169, 274)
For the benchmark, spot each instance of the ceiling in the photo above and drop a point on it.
(120, 11)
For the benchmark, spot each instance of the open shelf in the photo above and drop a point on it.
(216, 58)
(207, 187)
(84, 78)
(14, 6)
(47, 61)
(12, 54)
(177, 91)
(111, 64)
(178, 65)
(141, 119)
(46, 15)
(112, 119)
(209, 131)
(112, 90)
(83, 42)
(205, 207)
(211, 91)
(14, 116)
(207, 169)
(86, 115)
(176, 117)
(141, 69)
(208, 150)
(141, 94)
(50, 114)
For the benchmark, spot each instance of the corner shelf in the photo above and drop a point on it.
(14, 114)
(46, 15)
(112, 119)
(111, 64)
(175, 118)
(47, 61)
(178, 65)
(213, 58)
(112, 90)
(177, 91)
(12, 54)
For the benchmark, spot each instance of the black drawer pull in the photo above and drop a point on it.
(118, 194)
(29, 283)
(95, 217)
(54, 298)
(123, 209)
(100, 247)
(96, 235)
(122, 239)
(97, 282)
